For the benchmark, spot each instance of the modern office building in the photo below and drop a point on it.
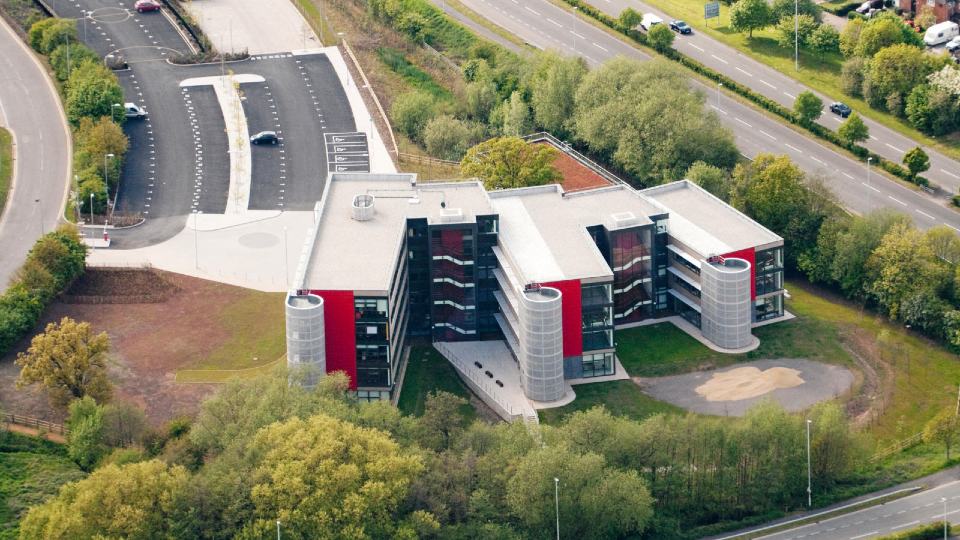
(550, 274)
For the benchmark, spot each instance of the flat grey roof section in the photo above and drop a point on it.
(545, 230)
(361, 255)
(705, 223)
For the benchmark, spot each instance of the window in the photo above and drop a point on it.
(370, 308)
(768, 283)
(768, 308)
(771, 259)
(598, 365)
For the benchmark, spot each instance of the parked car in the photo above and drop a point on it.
(648, 20)
(842, 109)
(680, 27)
(132, 110)
(953, 44)
(868, 5)
(941, 33)
(146, 5)
(265, 137)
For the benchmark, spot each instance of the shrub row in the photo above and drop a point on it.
(54, 262)
(931, 531)
(763, 101)
(842, 9)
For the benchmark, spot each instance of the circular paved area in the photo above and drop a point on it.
(731, 391)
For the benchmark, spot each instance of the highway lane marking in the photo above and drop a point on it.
(791, 96)
(949, 173)
(894, 147)
(747, 73)
(601, 47)
(878, 191)
(847, 175)
(904, 525)
(767, 134)
(719, 109)
(817, 160)
(695, 47)
(576, 34)
(744, 123)
(720, 59)
(792, 148)
(531, 11)
(874, 138)
(931, 217)
(554, 22)
(864, 535)
(956, 229)
(768, 84)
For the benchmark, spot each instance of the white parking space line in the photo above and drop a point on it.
(695, 47)
(768, 84)
(894, 147)
(747, 73)
(554, 22)
(921, 212)
(898, 201)
(944, 171)
(744, 123)
(601, 47)
(767, 134)
(878, 191)
(720, 59)
(793, 148)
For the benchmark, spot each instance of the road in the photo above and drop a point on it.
(30, 109)
(781, 88)
(547, 26)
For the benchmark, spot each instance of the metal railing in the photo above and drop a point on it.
(568, 149)
(414, 158)
(464, 368)
(35, 423)
(373, 95)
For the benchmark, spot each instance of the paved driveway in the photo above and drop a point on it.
(260, 26)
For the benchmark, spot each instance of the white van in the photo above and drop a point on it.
(941, 33)
(648, 20)
(132, 110)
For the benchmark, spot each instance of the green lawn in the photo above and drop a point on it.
(31, 470)
(818, 71)
(428, 371)
(619, 397)
(6, 166)
(256, 333)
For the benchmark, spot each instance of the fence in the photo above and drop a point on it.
(414, 158)
(35, 423)
(896, 447)
(566, 148)
(373, 95)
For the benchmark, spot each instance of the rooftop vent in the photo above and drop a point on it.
(363, 209)
(622, 220)
(451, 215)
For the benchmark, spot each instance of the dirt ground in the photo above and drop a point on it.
(149, 342)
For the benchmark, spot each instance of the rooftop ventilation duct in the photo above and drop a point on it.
(363, 209)
(623, 220)
(451, 215)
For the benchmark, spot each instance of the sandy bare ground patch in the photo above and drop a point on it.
(794, 383)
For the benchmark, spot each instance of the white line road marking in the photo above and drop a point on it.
(767, 134)
(894, 147)
(695, 47)
(878, 191)
(747, 73)
(931, 217)
(768, 84)
(874, 138)
(718, 109)
(792, 148)
(847, 175)
(944, 171)
(904, 525)
(902, 204)
(744, 123)
(531, 11)
(817, 160)
(554, 22)
(576, 34)
(720, 59)
(791, 96)
(864, 535)
(601, 47)
(952, 227)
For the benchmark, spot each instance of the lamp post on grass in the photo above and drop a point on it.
(112, 107)
(809, 472)
(556, 500)
(796, 35)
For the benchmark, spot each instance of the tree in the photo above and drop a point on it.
(62, 253)
(808, 107)
(85, 443)
(945, 243)
(786, 8)
(853, 129)
(942, 428)
(878, 34)
(660, 37)
(948, 78)
(713, 179)
(516, 116)
(35, 34)
(805, 25)
(851, 76)
(132, 501)
(854, 245)
(629, 18)
(442, 421)
(897, 69)
(916, 160)
(825, 39)
(69, 361)
(902, 265)
(61, 32)
(76, 53)
(925, 17)
(446, 137)
(481, 98)
(850, 37)
(124, 424)
(509, 162)
(410, 113)
(749, 15)
(91, 91)
(326, 478)
(552, 85)
(932, 110)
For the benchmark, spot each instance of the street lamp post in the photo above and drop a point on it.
(719, 85)
(91, 214)
(112, 107)
(573, 26)
(278, 529)
(106, 190)
(944, 501)
(809, 474)
(286, 260)
(796, 35)
(869, 186)
(556, 499)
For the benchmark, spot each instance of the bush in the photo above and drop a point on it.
(825, 39)
(851, 76)
(91, 91)
(411, 112)
(842, 10)
(930, 531)
(35, 34)
(660, 37)
(446, 137)
(61, 32)
(78, 55)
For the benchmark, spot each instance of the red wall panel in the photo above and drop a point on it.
(572, 315)
(748, 255)
(339, 325)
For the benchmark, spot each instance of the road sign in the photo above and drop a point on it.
(711, 10)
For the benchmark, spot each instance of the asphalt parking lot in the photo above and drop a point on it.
(178, 161)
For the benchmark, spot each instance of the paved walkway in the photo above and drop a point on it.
(30, 109)
(260, 26)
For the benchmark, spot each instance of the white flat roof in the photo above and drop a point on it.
(545, 230)
(361, 255)
(705, 223)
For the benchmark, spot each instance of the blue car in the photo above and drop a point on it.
(680, 27)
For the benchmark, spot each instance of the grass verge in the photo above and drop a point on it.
(218, 376)
(6, 166)
(428, 371)
(255, 323)
(622, 398)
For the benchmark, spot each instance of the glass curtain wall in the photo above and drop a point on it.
(630, 258)
(373, 348)
(453, 290)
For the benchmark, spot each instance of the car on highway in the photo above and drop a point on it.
(680, 27)
(953, 44)
(265, 137)
(132, 110)
(842, 109)
(648, 20)
(144, 6)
